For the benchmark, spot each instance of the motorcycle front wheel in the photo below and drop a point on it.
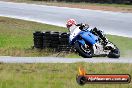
(114, 53)
(84, 52)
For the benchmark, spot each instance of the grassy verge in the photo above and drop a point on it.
(81, 3)
(16, 39)
(57, 75)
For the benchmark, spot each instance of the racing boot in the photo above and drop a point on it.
(107, 45)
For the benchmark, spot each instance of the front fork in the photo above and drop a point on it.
(94, 48)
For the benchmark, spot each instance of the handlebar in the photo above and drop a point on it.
(83, 26)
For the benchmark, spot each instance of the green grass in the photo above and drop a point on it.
(19, 33)
(57, 75)
(16, 39)
(16, 36)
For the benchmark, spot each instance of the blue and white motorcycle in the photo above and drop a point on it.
(88, 45)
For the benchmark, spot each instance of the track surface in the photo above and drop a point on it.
(61, 60)
(111, 22)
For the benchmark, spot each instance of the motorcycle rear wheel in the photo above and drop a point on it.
(84, 52)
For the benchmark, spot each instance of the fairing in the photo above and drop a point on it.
(86, 36)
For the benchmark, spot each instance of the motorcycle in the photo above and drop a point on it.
(88, 45)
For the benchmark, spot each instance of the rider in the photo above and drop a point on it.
(74, 29)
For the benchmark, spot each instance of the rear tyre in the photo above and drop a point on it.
(84, 52)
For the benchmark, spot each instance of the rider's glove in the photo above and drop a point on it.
(82, 26)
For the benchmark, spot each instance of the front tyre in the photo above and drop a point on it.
(84, 52)
(114, 53)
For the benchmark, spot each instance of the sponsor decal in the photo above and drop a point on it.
(84, 78)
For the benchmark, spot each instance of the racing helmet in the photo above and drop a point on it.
(70, 23)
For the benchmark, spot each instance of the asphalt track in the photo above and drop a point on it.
(115, 23)
(6, 59)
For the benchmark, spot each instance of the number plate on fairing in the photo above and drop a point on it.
(99, 49)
